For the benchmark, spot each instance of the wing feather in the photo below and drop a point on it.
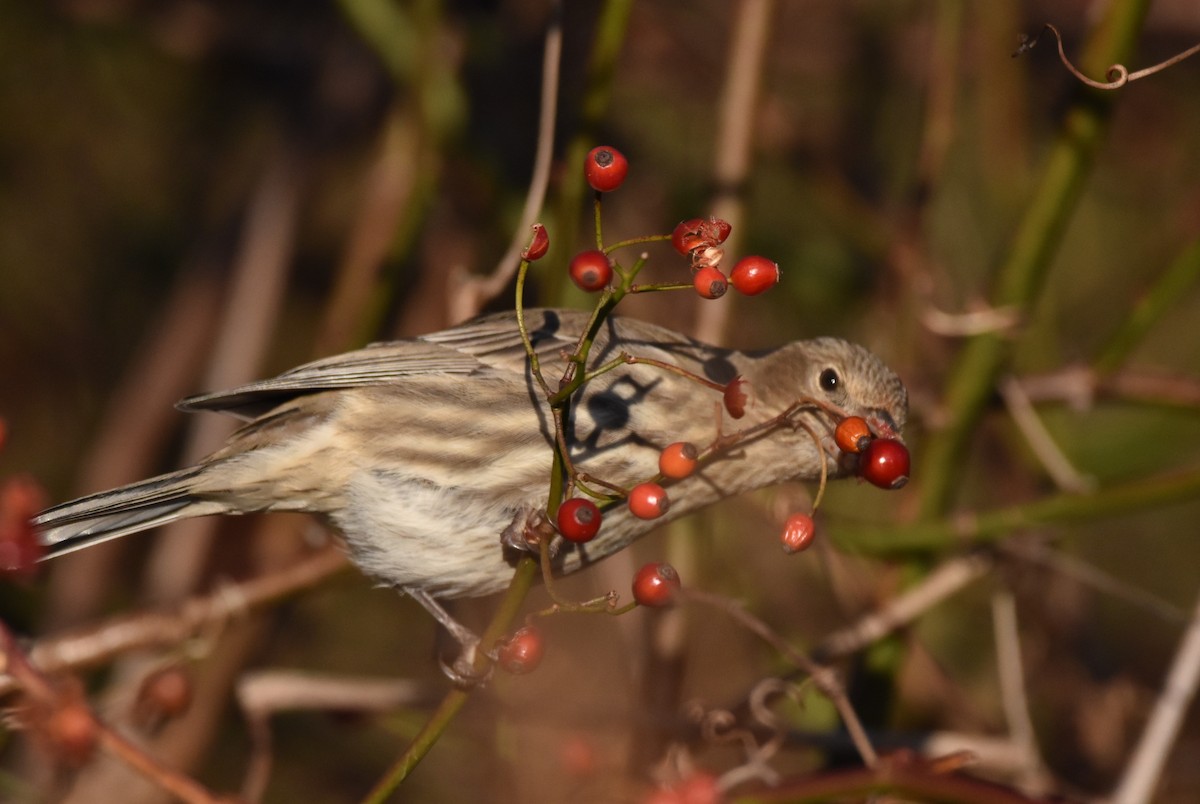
(489, 343)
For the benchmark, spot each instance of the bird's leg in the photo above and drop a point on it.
(462, 672)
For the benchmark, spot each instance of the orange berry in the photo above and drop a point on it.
(710, 283)
(678, 460)
(852, 434)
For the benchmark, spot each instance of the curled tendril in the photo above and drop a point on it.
(1117, 75)
(721, 726)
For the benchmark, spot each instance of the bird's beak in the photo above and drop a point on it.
(883, 425)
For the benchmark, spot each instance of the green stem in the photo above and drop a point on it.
(635, 241)
(431, 732)
(1172, 286)
(1020, 278)
(990, 526)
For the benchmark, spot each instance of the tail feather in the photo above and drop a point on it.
(111, 514)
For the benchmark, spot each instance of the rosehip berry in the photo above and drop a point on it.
(605, 168)
(167, 692)
(798, 533)
(717, 230)
(852, 434)
(697, 233)
(678, 460)
(539, 244)
(591, 270)
(753, 275)
(884, 463)
(736, 397)
(522, 652)
(687, 236)
(577, 755)
(578, 520)
(648, 501)
(710, 282)
(72, 733)
(20, 498)
(655, 584)
(699, 788)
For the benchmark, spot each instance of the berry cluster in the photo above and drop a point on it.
(700, 239)
(578, 518)
(881, 461)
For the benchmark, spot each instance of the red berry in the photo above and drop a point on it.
(698, 233)
(687, 236)
(578, 520)
(578, 755)
(699, 788)
(710, 282)
(884, 463)
(717, 230)
(678, 460)
(736, 396)
(605, 168)
(648, 501)
(167, 692)
(656, 584)
(72, 733)
(798, 533)
(591, 270)
(539, 244)
(3, 434)
(522, 652)
(852, 435)
(20, 498)
(753, 275)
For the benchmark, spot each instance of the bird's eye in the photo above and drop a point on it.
(829, 380)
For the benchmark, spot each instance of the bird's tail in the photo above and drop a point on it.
(111, 514)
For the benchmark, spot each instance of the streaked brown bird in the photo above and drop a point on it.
(422, 452)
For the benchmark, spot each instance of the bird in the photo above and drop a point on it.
(423, 452)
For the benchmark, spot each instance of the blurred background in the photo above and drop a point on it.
(196, 193)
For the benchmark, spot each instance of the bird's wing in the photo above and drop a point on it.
(488, 343)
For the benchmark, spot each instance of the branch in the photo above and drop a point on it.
(97, 644)
(1025, 267)
(975, 528)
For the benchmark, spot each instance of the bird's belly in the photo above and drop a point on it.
(443, 539)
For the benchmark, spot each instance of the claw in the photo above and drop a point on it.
(462, 672)
(527, 530)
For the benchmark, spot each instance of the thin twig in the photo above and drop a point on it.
(100, 643)
(1142, 774)
(1012, 689)
(474, 292)
(824, 677)
(33, 682)
(1056, 463)
(949, 577)
(973, 322)
(264, 693)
